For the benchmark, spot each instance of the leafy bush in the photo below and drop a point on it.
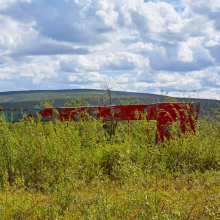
(77, 171)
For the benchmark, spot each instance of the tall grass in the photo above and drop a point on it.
(91, 170)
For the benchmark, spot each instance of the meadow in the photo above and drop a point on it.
(91, 170)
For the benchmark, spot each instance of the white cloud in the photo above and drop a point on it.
(125, 79)
(211, 43)
(7, 3)
(214, 5)
(140, 46)
(6, 73)
(88, 78)
(107, 13)
(184, 53)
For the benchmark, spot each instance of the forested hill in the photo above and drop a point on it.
(29, 99)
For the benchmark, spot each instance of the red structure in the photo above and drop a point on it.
(164, 113)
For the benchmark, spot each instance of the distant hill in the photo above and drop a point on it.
(29, 99)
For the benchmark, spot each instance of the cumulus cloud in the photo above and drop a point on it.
(139, 45)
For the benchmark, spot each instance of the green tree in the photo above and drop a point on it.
(75, 103)
(45, 104)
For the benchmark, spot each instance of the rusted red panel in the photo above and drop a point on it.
(111, 113)
(186, 113)
(164, 113)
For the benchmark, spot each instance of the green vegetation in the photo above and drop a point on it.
(81, 170)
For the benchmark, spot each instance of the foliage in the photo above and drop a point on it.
(76, 103)
(45, 104)
(130, 101)
(75, 170)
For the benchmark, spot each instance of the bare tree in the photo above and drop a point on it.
(107, 97)
(108, 90)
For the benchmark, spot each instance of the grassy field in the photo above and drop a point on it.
(91, 170)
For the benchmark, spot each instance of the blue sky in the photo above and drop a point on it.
(133, 45)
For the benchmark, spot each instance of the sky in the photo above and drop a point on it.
(134, 45)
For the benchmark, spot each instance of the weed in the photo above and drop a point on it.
(75, 170)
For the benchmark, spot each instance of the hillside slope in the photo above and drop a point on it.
(29, 99)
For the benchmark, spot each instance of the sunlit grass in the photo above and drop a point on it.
(80, 170)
